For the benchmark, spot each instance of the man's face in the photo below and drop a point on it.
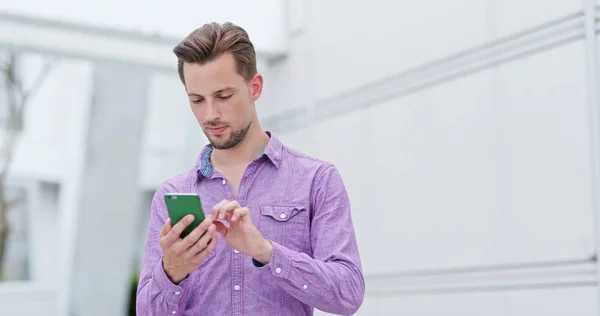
(222, 100)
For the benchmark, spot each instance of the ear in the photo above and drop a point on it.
(256, 84)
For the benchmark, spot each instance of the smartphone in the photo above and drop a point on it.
(181, 204)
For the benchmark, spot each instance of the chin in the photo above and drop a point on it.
(222, 145)
(219, 142)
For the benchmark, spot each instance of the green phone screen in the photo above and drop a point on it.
(181, 204)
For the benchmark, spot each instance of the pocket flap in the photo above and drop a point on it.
(281, 213)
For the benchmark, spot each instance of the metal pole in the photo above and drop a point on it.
(591, 45)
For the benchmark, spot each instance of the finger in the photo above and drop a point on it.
(194, 236)
(212, 244)
(176, 231)
(240, 213)
(164, 243)
(166, 228)
(207, 250)
(223, 209)
(226, 209)
(215, 210)
(221, 228)
(201, 243)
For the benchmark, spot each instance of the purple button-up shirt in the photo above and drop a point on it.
(300, 204)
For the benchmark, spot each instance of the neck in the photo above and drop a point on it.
(246, 151)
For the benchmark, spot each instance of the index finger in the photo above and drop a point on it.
(176, 231)
(239, 213)
(214, 212)
(166, 228)
(196, 234)
(227, 209)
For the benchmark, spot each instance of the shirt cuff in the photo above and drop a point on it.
(165, 284)
(281, 261)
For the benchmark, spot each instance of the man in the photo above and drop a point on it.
(279, 239)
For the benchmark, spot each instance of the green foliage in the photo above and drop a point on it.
(133, 294)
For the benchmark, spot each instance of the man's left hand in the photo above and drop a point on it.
(241, 234)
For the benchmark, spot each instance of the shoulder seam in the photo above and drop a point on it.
(185, 174)
(299, 154)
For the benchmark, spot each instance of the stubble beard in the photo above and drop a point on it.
(235, 138)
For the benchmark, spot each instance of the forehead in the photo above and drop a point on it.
(211, 75)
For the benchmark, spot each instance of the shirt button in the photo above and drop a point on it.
(177, 293)
(224, 182)
(305, 286)
(236, 287)
(282, 216)
(236, 251)
(174, 312)
(278, 270)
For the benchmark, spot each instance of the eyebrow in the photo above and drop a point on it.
(225, 89)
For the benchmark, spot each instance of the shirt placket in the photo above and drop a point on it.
(237, 257)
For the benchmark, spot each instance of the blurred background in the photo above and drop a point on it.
(467, 133)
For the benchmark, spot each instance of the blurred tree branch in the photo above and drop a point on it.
(17, 99)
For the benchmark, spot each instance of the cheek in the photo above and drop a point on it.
(233, 112)
(242, 110)
(198, 112)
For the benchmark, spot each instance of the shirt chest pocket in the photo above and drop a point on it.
(286, 225)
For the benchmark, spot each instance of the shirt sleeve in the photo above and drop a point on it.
(331, 280)
(156, 294)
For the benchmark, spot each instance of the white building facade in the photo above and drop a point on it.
(467, 133)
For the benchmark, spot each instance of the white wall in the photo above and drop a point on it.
(379, 38)
(490, 168)
(540, 302)
(27, 299)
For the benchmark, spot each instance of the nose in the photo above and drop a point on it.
(212, 111)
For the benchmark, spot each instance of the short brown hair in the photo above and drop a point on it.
(210, 41)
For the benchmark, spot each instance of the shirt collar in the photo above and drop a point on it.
(272, 151)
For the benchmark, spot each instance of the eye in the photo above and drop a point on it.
(224, 97)
(197, 101)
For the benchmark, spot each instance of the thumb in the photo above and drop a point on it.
(221, 228)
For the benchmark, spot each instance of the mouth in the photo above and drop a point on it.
(217, 130)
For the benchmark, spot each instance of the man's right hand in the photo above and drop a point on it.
(183, 256)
